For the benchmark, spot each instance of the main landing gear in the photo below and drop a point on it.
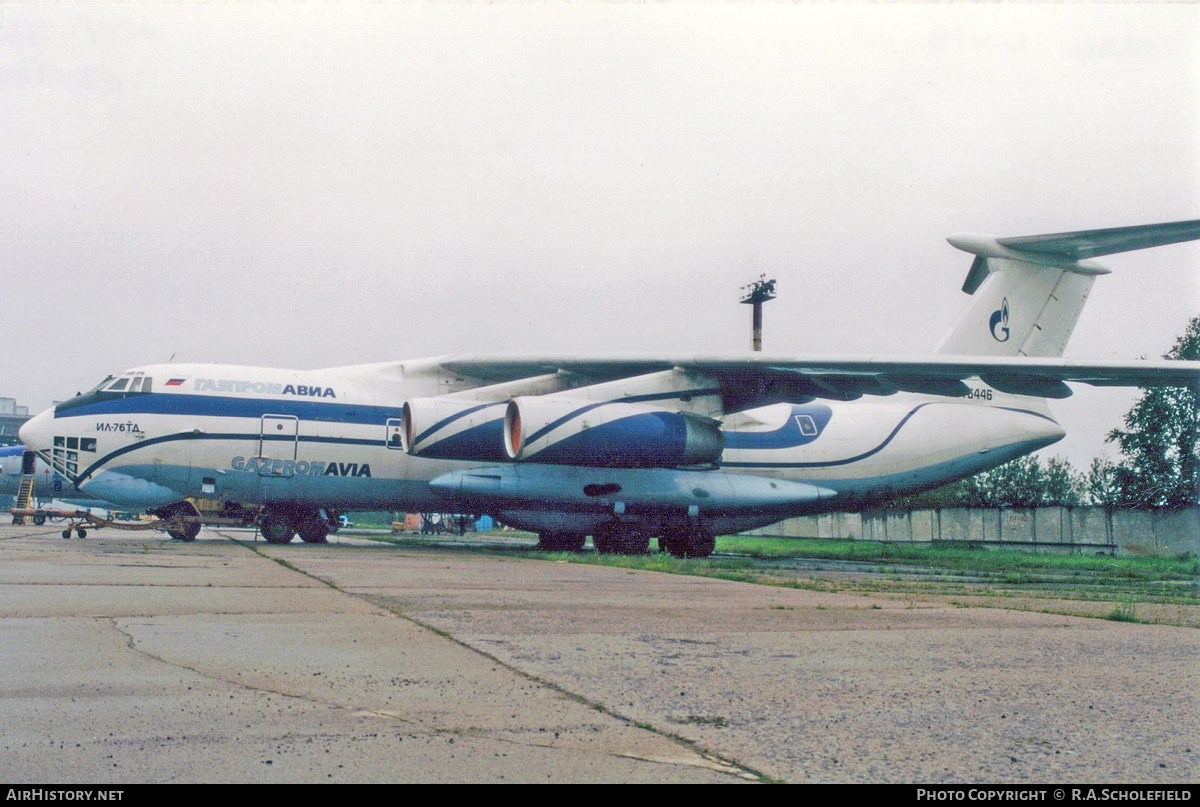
(616, 538)
(279, 525)
(685, 539)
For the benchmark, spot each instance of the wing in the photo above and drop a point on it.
(747, 381)
(665, 411)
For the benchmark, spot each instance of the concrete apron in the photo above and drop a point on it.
(128, 659)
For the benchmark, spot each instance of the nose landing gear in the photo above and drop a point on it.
(183, 522)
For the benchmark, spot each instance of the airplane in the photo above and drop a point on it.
(678, 447)
(15, 460)
(49, 484)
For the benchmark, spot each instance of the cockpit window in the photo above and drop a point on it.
(109, 389)
(96, 388)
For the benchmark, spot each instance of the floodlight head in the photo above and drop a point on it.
(760, 291)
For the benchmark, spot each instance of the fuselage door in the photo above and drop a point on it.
(277, 445)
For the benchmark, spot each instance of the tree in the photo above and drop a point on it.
(1061, 484)
(1014, 484)
(1161, 440)
(1023, 482)
(1101, 485)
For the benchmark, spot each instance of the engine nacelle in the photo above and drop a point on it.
(436, 428)
(607, 434)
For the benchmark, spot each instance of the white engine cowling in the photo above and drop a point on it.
(607, 434)
(437, 428)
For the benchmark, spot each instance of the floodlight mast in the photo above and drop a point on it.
(755, 295)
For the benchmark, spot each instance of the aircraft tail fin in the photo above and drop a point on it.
(1028, 291)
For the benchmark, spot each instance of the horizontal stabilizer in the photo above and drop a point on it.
(1029, 290)
(1092, 243)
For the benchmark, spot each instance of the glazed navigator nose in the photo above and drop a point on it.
(38, 432)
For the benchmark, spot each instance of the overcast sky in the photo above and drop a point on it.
(308, 184)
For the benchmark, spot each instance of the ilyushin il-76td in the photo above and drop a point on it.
(624, 449)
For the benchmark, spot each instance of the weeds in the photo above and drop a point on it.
(1124, 610)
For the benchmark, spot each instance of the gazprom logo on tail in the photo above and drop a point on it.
(999, 322)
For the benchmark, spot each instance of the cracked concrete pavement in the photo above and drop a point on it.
(139, 659)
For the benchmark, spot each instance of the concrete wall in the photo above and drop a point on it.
(1148, 532)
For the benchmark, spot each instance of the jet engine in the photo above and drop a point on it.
(437, 428)
(607, 434)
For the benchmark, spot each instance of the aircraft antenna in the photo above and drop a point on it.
(755, 295)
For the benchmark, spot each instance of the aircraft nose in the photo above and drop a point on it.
(38, 432)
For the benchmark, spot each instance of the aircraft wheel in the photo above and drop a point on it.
(313, 530)
(277, 529)
(604, 540)
(182, 527)
(187, 532)
(635, 543)
(702, 546)
(695, 543)
(677, 547)
(182, 519)
(620, 540)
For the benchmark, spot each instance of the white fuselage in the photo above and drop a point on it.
(325, 438)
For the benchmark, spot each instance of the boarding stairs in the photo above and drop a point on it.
(25, 500)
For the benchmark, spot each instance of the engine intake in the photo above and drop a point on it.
(607, 434)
